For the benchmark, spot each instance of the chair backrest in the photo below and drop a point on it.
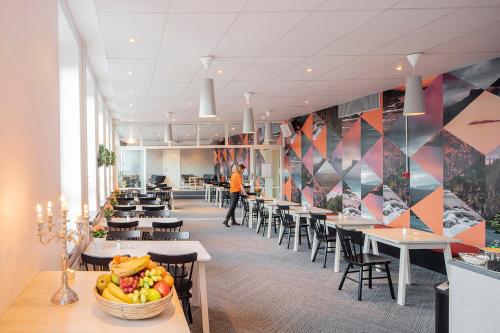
(318, 224)
(259, 203)
(98, 263)
(125, 200)
(146, 195)
(124, 213)
(171, 236)
(167, 226)
(148, 200)
(244, 200)
(180, 266)
(123, 226)
(156, 213)
(153, 207)
(284, 213)
(124, 235)
(350, 239)
(124, 207)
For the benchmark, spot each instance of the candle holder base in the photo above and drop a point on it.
(64, 296)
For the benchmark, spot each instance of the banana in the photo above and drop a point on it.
(109, 296)
(118, 293)
(130, 267)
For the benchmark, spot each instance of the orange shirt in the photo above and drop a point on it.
(236, 182)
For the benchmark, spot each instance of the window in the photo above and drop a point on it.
(91, 144)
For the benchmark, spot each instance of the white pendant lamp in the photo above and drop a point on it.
(414, 93)
(268, 129)
(248, 116)
(168, 130)
(207, 95)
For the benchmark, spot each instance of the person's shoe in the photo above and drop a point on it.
(236, 223)
(225, 223)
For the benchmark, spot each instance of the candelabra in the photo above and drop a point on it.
(45, 234)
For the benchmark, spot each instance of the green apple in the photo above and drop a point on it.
(115, 279)
(153, 295)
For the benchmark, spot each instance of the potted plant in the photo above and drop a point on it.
(258, 191)
(102, 156)
(108, 212)
(98, 234)
(112, 199)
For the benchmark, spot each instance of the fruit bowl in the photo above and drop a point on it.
(133, 311)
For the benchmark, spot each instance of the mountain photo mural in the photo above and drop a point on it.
(452, 154)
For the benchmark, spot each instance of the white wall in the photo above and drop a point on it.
(29, 138)
(197, 161)
(172, 164)
(154, 162)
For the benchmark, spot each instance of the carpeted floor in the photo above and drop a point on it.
(255, 285)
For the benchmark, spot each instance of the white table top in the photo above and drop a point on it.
(301, 210)
(253, 198)
(139, 207)
(33, 312)
(140, 248)
(412, 236)
(281, 203)
(351, 221)
(146, 222)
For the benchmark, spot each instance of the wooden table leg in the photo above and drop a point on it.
(403, 270)
(366, 245)
(447, 256)
(203, 296)
(315, 244)
(269, 220)
(408, 268)
(282, 230)
(250, 213)
(336, 264)
(296, 238)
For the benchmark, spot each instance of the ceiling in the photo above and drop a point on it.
(352, 49)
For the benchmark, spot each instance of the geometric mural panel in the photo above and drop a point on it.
(457, 95)
(421, 183)
(393, 205)
(457, 215)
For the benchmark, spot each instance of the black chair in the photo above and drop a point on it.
(181, 268)
(168, 226)
(124, 207)
(98, 263)
(146, 195)
(323, 235)
(171, 236)
(153, 207)
(350, 239)
(123, 226)
(156, 213)
(264, 216)
(289, 226)
(125, 200)
(148, 200)
(246, 210)
(124, 235)
(226, 198)
(124, 213)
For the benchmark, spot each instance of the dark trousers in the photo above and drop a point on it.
(234, 196)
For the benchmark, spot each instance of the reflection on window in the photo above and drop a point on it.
(237, 137)
(184, 135)
(128, 135)
(212, 134)
(261, 132)
(153, 135)
(131, 169)
(91, 144)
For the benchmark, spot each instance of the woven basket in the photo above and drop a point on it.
(133, 311)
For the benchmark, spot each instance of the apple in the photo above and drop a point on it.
(169, 280)
(162, 287)
(102, 282)
(153, 295)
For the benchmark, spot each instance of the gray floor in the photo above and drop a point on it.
(255, 285)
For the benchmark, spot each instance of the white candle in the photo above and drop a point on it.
(64, 207)
(85, 211)
(49, 209)
(404, 230)
(39, 213)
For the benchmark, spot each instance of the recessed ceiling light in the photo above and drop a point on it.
(187, 134)
(130, 104)
(399, 67)
(130, 92)
(158, 135)
(306, 101)
(173, 119)
(130, 73)
(218, 119)
(309, 70)
(131, 40)
(220, 71)
(189, 103)
(216, 134)
(263, 117)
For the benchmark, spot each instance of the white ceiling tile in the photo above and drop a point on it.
(267, 68)
(167, 90)
(275, 88)
(141, 69)
(433, 3)
(117, 29)
(318, 30)
(253, 33)
(313, 88)
(230, 68)
(357, 4)
(176, 70)
(204, 6)
(319, 65)
(124, 6)
(193, 35)
(442, 30)
(383, 29)
(237, 89)
(125, 90)
(281, 5)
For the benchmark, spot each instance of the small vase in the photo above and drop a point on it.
(98, 243)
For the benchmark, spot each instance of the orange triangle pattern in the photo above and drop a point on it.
(297, 145)
(430, 210)
(475, 235)
(401, 221)
(374, 118)
(307, 128)
(320, 143)
(288, 189)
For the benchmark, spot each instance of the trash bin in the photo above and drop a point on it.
(442, 304)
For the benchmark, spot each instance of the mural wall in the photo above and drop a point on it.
(226, 158)
(452, 154)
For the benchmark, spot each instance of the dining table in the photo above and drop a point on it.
(270, 206)
(351, 223)
(407, 239)
(33, 312)
(251, 203)
(140, 248)
(303, 211)
(146, 223)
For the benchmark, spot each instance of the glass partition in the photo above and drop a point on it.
(261, 132)
(153, 135)
(212, 134)
(129, 135)
(184, 135)
(131, 174)
(236, 135)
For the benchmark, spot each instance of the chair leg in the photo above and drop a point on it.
(289, 236)
(309, 242)
(389, 280)
(360, 282)
(344, 276)
(326, 252)
(189, 312)
(281, 238)
(316, 251)
(370, 269)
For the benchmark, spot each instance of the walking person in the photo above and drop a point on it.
(235, 191)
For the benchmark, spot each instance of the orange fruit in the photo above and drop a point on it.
(116, 260)
(169, 280)
(151, 265)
